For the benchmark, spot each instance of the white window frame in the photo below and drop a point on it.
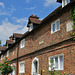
(23, 62)
(31, 26)
(1, 56)
(65, 2)
(22, 44)
(32, 69)
(7, 53)
(55, 22)
(58, 61)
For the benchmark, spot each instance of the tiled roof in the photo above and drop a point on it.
(34, 20)
(9, 42)
(11, 37)
(2, 48)
(17, 35)
(51, 15)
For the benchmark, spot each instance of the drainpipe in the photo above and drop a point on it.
(41, 64)
(17, 57)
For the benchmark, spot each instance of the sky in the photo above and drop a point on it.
(14, 14)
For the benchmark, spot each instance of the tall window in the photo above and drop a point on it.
(1, 57)
(22, 67)
(55, 26)
(22, 43)
(58, 62)
(7, 53)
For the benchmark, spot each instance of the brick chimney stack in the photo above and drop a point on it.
(34, 16)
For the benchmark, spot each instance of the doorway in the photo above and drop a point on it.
(35, 68)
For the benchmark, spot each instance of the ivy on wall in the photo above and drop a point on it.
(73, 18)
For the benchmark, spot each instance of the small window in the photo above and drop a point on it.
(22, 67)
(55, 26)
(22, 43)
(1, 57)
(57, 62)
(7, 53)
(65, 2)
(31, 26)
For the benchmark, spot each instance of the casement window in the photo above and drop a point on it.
(57, 62)
(7, 53)
(1, 57)
(55, 26)
(65, 2)
(22, 43)
(22, 67)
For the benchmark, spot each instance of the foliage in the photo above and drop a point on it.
(73, 14)
(0, 42)
(52, 71)
(73, 18)
(6, 68)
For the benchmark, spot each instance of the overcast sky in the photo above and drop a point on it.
(14, 14)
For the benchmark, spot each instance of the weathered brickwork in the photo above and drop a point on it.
(42, 44)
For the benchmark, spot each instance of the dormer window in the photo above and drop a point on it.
(65, 2)
(7, 53)
(22, 43)
(31, 26)
(1, 57)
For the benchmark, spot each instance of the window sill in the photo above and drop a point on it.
(57, 70)
(55, 31)
(21, 72)
(22, 47)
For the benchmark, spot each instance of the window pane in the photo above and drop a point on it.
(58, 25)
(53, 27)
(68, 1)
(56, 63)
(22, 67)
(61, 62)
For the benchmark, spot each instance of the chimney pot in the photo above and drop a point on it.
(35, 15)
(32, 15)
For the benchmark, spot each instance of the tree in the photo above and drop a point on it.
(6, 68)
(0, 42)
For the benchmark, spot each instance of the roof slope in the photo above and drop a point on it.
(2, 48)
(9, 41)
(34, 20)
(17, 35)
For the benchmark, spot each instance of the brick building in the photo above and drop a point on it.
(45, 39)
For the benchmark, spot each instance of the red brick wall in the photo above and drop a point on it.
(44, 34)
